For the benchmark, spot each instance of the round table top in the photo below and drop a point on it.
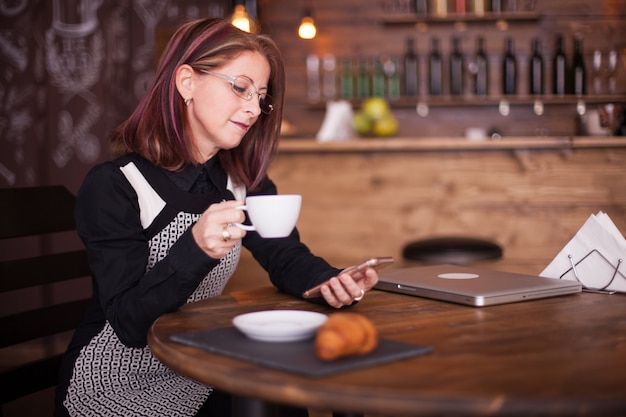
(558, 356)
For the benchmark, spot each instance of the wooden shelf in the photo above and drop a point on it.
(308, 145)
(469, 100)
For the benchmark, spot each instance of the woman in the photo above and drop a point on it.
(156, 221)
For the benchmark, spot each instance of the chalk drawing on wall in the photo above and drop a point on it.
(75, 52)
(150, 12)
(16, 114)
(12, 8)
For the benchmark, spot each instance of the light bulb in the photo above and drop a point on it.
(240, 18)
(307, 28)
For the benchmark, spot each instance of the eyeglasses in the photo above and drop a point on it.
(244, 88)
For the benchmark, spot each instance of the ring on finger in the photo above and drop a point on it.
(226, 234)
(360, 297)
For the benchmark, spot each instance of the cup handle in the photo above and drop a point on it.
(244, 226)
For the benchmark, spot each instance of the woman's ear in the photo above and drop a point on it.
(184, 80)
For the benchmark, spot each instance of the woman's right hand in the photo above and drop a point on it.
(215, 232)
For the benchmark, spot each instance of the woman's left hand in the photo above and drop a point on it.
(345, 289)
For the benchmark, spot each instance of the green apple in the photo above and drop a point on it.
(375, 107)
(362, 123)
(386, 125)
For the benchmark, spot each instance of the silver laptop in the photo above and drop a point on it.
(471, 286)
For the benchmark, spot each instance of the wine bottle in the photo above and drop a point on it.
(378, 78)
(509, 69)
(535, 70)
(363, 79)
(314, 91)
(579, 76)
(481, 69)
(496, 6)
(346, 79)
(456, 69)
(410, 69)
(461, 7)
(559, 68)
(440, 8)
(435, 70)
(392, 76)
(421, 7)
(479, 7)
(329, 76)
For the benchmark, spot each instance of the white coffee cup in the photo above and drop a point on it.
(272, 215)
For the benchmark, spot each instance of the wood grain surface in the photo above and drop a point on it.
(555, 357)
(365, 203)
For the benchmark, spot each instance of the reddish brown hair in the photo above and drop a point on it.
(156, 129)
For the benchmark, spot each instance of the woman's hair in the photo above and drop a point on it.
(156, 129)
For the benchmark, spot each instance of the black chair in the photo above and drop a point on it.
(30, 220)
(456, 250)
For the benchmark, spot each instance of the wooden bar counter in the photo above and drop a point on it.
(370, 197)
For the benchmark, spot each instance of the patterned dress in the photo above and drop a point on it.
(111, 379)
(135, 220)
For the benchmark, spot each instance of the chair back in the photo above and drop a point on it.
(43, 295)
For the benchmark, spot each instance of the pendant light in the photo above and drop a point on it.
(240, 18)
(307, 29)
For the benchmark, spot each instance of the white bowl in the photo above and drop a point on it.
(279, 325)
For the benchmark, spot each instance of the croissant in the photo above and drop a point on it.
(345, 334)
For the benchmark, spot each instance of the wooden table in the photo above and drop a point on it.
(557, 356)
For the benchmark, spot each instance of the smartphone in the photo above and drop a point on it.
(376, 263)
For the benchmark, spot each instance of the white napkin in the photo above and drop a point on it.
(337, 124)
(596, 250)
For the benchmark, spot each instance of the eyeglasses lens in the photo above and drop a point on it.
(245, 89)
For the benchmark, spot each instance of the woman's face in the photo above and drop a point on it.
(217, 117)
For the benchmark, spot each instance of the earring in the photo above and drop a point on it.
(187, 101)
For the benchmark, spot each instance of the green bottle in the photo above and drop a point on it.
(363, 79)
(347, 79)
(378, 79)
(390, 67)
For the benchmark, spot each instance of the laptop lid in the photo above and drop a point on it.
(472, 286)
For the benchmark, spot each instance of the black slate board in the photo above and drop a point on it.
(298, 357)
